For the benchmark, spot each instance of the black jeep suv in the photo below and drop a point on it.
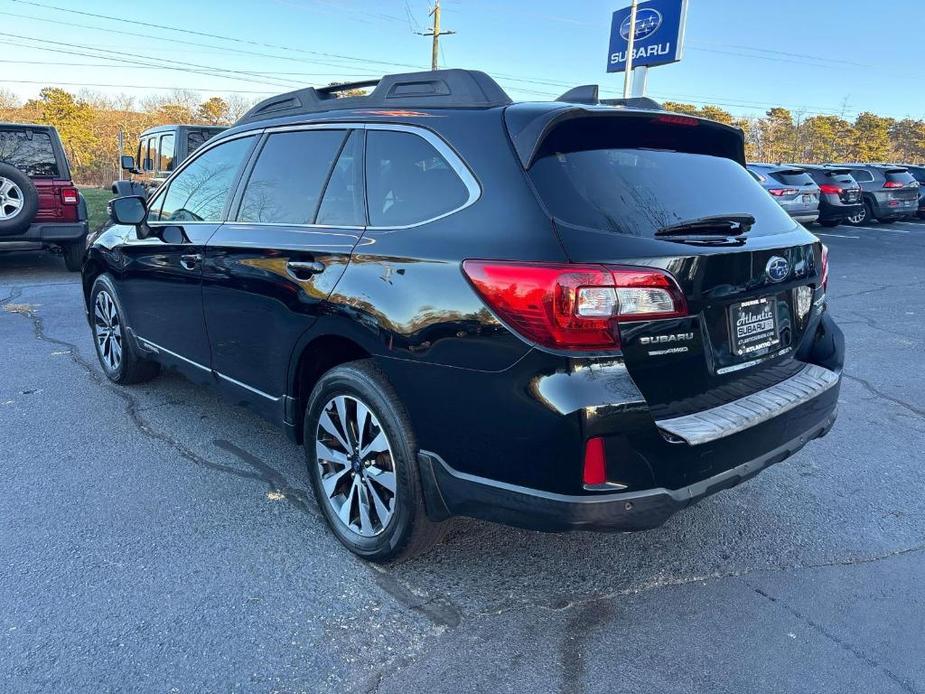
(531, 313)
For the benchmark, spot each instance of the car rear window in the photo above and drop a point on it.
(903, 177)
(638, 191)
(792, 178)
(30, 151)
(842, 177)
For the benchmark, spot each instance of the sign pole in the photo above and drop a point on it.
(627, 74)
(640, 80)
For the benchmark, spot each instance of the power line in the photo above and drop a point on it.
(134, 86)
(435, 33)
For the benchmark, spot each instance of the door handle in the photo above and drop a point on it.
(191, 261)
(302, 270)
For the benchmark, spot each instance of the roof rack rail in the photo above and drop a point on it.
(589, 94)
(433, 89)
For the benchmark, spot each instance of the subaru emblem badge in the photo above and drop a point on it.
(777, 268)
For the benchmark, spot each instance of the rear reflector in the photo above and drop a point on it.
(574, 307)
(69, 196)
(830, 188)
(595, 470)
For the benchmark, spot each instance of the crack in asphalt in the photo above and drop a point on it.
(871, 323)
(580, 602)
(438, 609)
(841, 643)
(873, 390)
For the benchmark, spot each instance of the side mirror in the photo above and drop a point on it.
(129, 209)
(127, 162)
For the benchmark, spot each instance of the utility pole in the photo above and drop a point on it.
(630, 40)
(436, 33)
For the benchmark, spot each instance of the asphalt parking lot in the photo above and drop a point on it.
(157, 538)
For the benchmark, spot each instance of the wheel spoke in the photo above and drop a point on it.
(328, 425)
(330, 455)
(331, 482)
(362, 419)
(366, 525)
(344, 512)
(379, 444)
(384, 478)
(381, 509)
(340, 404)
(5, 185)
(99, 313)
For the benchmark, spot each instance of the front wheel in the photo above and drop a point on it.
(362, 462)
(116, 350)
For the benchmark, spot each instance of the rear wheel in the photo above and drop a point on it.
(362, 462)
(116, 350)
(73, 256)
(861, 217)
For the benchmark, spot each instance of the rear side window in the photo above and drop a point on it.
(918, 174)
(862, 176)
(291, 170)
(165, 161)
(408, 181)
(30, 151)
(639, 191)
(199, 192)
(792, 178)
(195, 139)
(344, 200)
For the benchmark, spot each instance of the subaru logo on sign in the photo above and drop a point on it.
(777, 269)
(647, 23)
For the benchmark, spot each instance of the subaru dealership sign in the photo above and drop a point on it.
(659, 34)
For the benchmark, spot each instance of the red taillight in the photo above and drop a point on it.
(673, 119)
(595, 470)
(825, 267)
(830, 188)
(69, 196)
(893, 184)
(574, 307)
(780, 192)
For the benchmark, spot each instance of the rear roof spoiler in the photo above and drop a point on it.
(589, 94)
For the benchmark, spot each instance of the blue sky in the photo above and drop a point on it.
(819, 56)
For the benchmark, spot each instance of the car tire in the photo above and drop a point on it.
(361, 454)
(115, 347)
(19, 200)
(862, 217)
(73, 255)
(830, 223)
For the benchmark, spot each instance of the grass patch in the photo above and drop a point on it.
(96, 205)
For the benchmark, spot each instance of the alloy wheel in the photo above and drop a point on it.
(11, 199)
(107, 329)
(356, 465)
(858, 218)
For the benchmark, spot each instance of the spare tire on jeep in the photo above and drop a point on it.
(19, 200)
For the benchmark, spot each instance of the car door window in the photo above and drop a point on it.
(199, 192)
(407, 180)
(165, 154)
(291, 170)
(862, 176)
(150, 154)
(344, 201)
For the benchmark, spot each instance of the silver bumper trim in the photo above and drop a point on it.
(738, 415)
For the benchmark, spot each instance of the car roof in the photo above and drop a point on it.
(153, 130)
(34, 126)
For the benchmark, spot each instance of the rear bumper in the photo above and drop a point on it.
(450, 492)
(838, 213)
(883, 209)
(805, 217)
(48, 232)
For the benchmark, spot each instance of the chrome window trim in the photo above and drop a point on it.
(161, 191)
(443, 148)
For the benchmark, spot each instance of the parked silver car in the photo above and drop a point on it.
(791, 187)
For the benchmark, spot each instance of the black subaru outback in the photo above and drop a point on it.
(530, 313)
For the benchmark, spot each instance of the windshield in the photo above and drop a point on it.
(30, 151)
(638, 191)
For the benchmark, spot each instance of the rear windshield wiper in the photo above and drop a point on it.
(722, 225)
